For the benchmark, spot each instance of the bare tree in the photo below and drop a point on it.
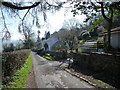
(74, 26)
(66, 36)
(32, 9)
(71, 24)
(26, 31)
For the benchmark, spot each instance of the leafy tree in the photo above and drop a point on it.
(38, 37)
(8, 47)
(47, 35)
(85, 35)
(19, 45)
(94, 33)
(46, 46)
(28, 44)
(106, 9)
(116, 21)
(100, 21)
(43, 38)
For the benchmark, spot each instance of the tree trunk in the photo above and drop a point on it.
(109, 36)
(109, 20)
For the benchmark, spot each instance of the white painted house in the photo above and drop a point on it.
(50, 41)
(115, 37)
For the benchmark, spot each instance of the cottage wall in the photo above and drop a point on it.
(115, 40)
(50, 42)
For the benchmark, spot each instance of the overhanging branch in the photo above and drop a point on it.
(102, 11)
(10, 5)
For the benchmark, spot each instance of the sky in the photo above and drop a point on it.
(54, 23)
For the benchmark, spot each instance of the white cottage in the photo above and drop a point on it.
(115, 37)
(50, 42)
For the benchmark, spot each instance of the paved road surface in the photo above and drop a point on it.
(48, 74)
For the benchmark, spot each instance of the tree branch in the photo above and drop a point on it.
(103, 12)
(26, 14)
(10, 5)
(7, 33)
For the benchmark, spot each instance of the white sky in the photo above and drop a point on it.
(55, 22)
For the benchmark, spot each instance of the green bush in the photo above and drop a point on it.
(48, 57)
(40, 52)
(21, 76)
(57, 55)
(11, 62)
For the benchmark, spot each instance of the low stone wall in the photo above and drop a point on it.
(106, 66)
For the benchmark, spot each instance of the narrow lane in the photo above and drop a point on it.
(48, 74)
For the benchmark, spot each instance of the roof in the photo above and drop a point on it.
(115, 30)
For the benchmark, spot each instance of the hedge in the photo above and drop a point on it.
(11, 62)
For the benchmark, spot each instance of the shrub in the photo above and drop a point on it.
(58, 55)
(40, 52)
(21, 76)
(8, 48)
(11, 62)
(48, 57)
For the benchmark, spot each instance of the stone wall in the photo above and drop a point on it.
(105, 66)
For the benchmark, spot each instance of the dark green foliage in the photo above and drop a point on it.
(107, 9)
(40, 52)
(8, 48)
(21, 76)
(94, 33)
(43, 39)
(58, 55)
(28, 44)
(86, 37)
(46, 46)
(116, 21)
(11, 62)
(52, 55)
(47, 35)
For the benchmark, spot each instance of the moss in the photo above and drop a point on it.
(100, 83)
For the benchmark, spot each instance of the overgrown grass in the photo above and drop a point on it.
(21, 76)
(100, 83)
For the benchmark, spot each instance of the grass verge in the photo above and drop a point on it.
(21, 76)
(91, 80)
(100, 83)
